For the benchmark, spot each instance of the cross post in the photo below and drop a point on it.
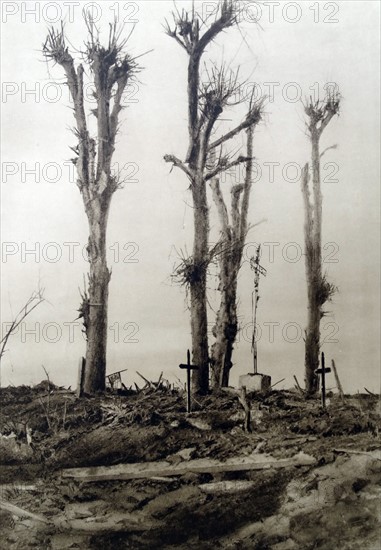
(188, 368)
(323, 372)
(258, 270)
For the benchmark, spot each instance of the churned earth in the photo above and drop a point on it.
(307, 478)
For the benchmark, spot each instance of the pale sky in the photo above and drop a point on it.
(295, 50)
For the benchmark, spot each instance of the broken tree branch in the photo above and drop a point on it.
(179, 164)
(35, 299)
(224, 165)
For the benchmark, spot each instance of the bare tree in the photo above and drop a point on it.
(111, 70)
(319, 289)
(233, 237)
(206, 102)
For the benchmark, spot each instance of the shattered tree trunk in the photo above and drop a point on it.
(312, 237)
(196, 159)
(199, 130)
(206, 102)
(226, 325)
(99, 277)
(319, 290)
(197, 285)
(233, 238)
(111, 70)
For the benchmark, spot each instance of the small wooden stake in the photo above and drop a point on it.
(188, 367)
(338, 383)
(298, 385)
(246, 407)
(81, 376)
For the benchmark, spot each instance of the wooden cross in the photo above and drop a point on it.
(189, 367)
(258, 270)
(323, 372)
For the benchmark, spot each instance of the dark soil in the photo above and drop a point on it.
(152, 425)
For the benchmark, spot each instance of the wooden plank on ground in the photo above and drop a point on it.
(18, 487)
(115, 522)
(143, 470)
(20, 512)
(372, 454)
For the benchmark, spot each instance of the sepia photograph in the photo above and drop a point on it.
(190, 275)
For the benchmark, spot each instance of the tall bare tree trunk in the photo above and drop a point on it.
(312, 236)
(233, 236)
(319, 290)
(206, 102)
(111, 70)
(99, 277)
(312, 339)
(225, 330)
(197, 285)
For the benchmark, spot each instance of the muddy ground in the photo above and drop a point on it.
(333, 503)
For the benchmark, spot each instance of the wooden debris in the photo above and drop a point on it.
(338, 383)
(148, 383)
(20, 512)
(115, 522)
(199, 423)
(18, 487)
(81, 376)
(157, 384)
(371, 454)
(114, 380)
(167, 501)
(298, 387)
(242, 398)
(226, 487)
(142, 470)
(186, 454)
(161, 479)
(276, 383)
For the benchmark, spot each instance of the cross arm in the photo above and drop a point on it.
(190, 367)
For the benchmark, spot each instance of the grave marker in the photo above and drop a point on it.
(323, 372)
(188, 367)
